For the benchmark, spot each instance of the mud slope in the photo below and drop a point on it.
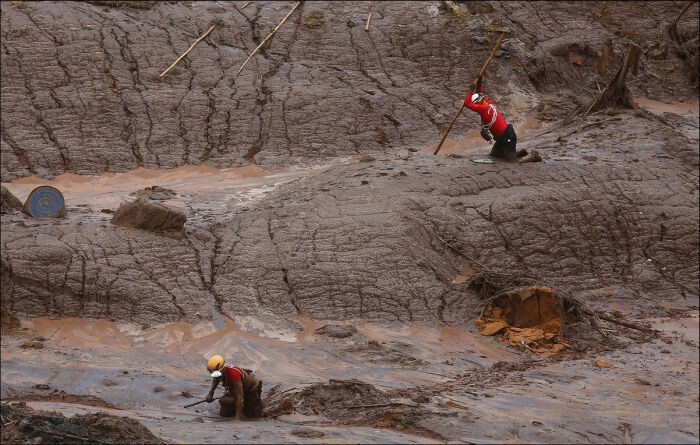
(384, 239)
(325, 246)
(81, 90)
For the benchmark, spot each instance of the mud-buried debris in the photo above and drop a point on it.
(532, 318)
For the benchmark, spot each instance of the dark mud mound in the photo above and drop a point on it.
(142, 213)
(26, 425)
(338, 400)
(351, 402)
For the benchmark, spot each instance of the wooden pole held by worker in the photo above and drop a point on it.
(488, 61)
(266, 38)
(449, 128)
(473, 87)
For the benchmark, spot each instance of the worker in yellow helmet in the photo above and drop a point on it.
(242, 388)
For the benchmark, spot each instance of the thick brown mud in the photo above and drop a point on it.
(326, 247)
(437, 383)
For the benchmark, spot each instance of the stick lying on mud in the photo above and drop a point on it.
(473, 87)
(266, 38)
(574, 304)
(369, 18)
(628, 324)
(188, 50)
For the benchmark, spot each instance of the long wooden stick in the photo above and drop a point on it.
(483, 69)
(369, 18)
(481, 73)
(188, 50)
(197, 403)
(448, 129)
(266, 38)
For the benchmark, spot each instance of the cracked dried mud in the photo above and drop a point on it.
(326, 247)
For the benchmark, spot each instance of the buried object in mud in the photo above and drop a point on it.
(532, 317)
(45, 202)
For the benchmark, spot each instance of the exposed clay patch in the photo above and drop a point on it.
(531, 318)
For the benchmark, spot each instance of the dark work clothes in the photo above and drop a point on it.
(504, 148)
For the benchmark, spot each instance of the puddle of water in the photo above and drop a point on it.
(462, 145)
(111, 189)
(683, 108)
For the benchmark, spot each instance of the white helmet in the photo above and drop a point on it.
(477, 98)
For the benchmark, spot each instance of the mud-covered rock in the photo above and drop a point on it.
(142, 213)
(26, 425)
(8, 201)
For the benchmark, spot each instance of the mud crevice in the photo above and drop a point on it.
(291, 292)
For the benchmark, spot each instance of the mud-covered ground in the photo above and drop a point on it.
(325, 246)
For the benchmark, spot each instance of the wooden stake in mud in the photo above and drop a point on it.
(615, 91)
(188, 50)
(266, 38)
(369, 18)
(604, 61)
(473, 87)
(449, 127)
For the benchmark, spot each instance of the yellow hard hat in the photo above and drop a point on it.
(215, 364)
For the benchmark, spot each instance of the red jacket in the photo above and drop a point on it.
(232, 373)
(486, 110)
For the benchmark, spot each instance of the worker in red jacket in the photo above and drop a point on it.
(493, 124)
(243, 389)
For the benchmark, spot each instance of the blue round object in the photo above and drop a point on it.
(45, 202)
